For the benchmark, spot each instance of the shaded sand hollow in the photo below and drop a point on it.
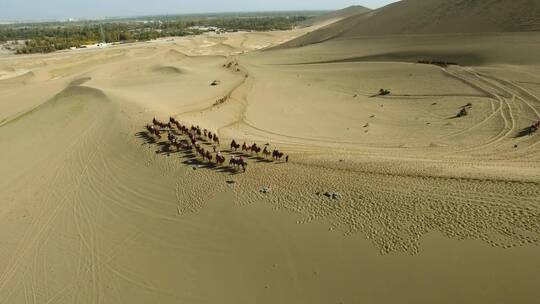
(434, 208)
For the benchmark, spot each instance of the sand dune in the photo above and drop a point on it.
(435, 207)
(175, 55)
(334, 16)
(10, 73)
(167, 70)
(416, 17)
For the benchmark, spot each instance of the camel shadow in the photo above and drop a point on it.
(188, 154)
(229, 170)
(458, 115)
(146, 137)
(528, 131)
(198, 163)
(236, 172)
(165, 148)
(190, 158)
(264, 160)
(235, 153)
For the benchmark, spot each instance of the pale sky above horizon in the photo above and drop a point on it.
(61, 9)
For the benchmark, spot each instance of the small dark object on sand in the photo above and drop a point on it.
(463, 112)
(333, 195)
(383, 92)
(264, 190)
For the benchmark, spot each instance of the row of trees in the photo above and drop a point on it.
(50, 37)
(254, 24)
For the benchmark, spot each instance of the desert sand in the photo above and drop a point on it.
(434, 209)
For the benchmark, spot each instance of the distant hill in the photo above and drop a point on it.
(336, 15)
(432, 17)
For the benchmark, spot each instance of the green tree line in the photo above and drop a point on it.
(53, 36)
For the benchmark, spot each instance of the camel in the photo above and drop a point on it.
(463, 112)
(215, 139)
(255, 148)
(234, 145)
(442, 64)
(266, 153)
(208, 156)
(177, 144)
(533, 128)
(220, 159)
(383, 92)
(238, 162)
(160, 124)
(245, 147)
(181, 128)
(277, 155)
(153, 130)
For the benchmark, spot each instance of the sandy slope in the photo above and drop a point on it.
(335, 16)
(435, 209)
(420, 17)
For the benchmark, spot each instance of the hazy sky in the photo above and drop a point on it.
(54, 9)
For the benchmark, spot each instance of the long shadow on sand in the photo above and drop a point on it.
(148, 140)
(189, 158)
(196, 163)
(465, 58)
(528, 131)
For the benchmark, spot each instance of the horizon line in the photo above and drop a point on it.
(104, 18)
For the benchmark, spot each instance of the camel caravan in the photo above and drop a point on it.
(195, 138)
(442, 64)
(221, 100)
